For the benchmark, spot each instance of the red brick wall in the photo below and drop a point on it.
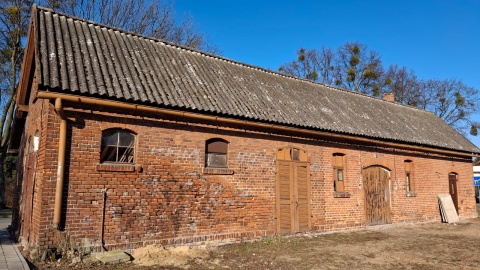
(39, 119)
(170, 200)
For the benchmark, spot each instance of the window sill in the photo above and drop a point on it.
(112, 167)
(341, 195)
(411, 194)
(218, 171)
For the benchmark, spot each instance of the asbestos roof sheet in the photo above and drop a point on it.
(84, 58)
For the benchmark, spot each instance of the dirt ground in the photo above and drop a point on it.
(418, 246)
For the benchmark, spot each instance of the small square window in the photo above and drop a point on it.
(117, 146)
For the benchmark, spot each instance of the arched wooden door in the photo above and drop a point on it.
(293, 191)
(376, 183)
(452, 186)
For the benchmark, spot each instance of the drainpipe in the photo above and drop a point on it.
(62, 143)
(102, 233)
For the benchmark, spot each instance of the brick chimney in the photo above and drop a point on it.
(388, 97)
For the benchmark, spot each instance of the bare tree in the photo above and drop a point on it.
(353, 66)
(312, 65)
(151, 18)
(452, 101)
(404, 84)
(14, 18)
(358, 68)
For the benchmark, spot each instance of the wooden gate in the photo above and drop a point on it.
(452, 184)
(293, 191)
(377, 196)
(26, 204)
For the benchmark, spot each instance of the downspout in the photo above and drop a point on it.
(102, 232)
(62, 144)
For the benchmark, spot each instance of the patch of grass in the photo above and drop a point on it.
(334, 236)
(265, 242)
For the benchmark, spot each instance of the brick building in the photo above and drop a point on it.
(124, 140)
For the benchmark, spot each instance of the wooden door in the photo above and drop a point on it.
(285, 191)
(293, 195)
(302, 197)
(27, 196)
(377, 196)
(452, 184)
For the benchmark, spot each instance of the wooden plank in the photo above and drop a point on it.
(446, 203)
(442, 211)
(377, 196)
(302, 197)
(23, 108)
(26, 204)
(284, 197)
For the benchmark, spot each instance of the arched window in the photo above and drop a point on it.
(216, 153)
(118, 145)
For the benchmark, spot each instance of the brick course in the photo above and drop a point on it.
(168, 197)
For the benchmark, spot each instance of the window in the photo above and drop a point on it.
(292, 153)
(118, 145)
(34, 143)
(338, 172)
(216, 153)
(409, 178)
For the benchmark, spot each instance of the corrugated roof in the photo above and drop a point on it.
(84, 58)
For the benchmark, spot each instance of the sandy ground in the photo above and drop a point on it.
(418, 246)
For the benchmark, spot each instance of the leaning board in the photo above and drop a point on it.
(447, 208)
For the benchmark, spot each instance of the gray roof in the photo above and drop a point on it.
(84, 58)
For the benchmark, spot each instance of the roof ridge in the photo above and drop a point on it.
(222, 58)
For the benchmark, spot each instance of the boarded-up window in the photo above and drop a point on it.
(118, 145)
(338, 172)
(409, 184)
(216, 153)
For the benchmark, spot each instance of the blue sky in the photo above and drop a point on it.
(438, 39)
